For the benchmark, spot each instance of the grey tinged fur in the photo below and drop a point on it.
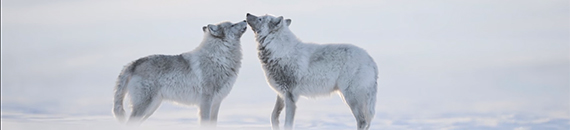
(158, 64)
(282, 74)
(202, 77)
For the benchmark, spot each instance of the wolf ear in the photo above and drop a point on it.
(214, 30)
(204, 28)
(288, 21)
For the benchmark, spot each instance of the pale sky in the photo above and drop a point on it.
(468, 64)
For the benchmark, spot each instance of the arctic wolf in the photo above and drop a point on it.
(201, 77)
(294, 68)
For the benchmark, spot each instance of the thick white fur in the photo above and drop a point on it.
(294, 68)
(202, 77)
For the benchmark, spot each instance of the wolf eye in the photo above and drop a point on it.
(232, 25)
(259, 19)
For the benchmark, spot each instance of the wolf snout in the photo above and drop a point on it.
(250, 17)
(244, 22)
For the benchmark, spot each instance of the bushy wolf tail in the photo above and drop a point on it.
(120, 92)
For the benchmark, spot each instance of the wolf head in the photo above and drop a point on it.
(263, 25)
(226, 30)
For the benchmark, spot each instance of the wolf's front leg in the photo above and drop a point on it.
(276, 111)
(290, 107)
(214, 113)
(204, 111)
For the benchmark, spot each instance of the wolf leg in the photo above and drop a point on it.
(279, 104)
(290, 107)
(143, 107)
(214, 113)
(205, 111)
(152, 107)
(358, 103)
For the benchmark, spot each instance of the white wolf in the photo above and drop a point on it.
(294, 68)
(202, 77)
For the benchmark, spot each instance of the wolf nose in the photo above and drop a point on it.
(247, 14)
(243, 21)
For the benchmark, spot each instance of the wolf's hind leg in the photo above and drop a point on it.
(359, 104)
(143, 107)
(152, 107)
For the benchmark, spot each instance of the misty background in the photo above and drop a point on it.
(471, 64)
